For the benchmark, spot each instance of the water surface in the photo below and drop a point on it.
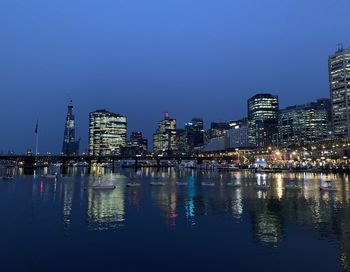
(63, 225)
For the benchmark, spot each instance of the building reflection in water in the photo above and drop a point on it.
(67, 200)
(190, 200)
(269, 212)
(106, 209)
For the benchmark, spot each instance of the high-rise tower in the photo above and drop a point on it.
(70, 144)
(339, 81)
(107, 133)
(263, 119)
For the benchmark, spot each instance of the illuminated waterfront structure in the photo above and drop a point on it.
(70, 144)
(164, 140)
(107, 133)
(262, 119)
(304, 124)
(339, 80)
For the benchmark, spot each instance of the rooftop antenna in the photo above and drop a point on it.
(340, 47)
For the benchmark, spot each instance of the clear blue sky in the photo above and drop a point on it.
(140, 58)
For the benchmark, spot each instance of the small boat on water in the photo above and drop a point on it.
(99, 184)
(7, 177)
(181, 183)
(50, 176)
(262, 186)
(157, 183)
(328, 186)
(133, 184)
(292, 185)
(208, 183)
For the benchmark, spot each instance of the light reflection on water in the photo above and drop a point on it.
(267, 214)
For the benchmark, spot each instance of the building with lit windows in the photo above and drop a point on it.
(136, 145)
(70, 145)
(339, 80)
(304, 124)
(237, 135)
(107, 133)
(194, 133)
(164, 140)
(263, 112)
(216, 129)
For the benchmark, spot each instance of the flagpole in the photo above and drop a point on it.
(36, 138)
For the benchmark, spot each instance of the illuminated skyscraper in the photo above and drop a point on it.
(262, 119)
(164, 138)
(339, 80)
(107, 133)
(304, 124)
(70, 145)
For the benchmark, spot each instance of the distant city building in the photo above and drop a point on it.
(216, 144)
(216, 130)
(181, 142)
(107, 133)
(195, 133)
(263, 120)
(70, 144)
(164, 138)
(237, 136)
(137, 145)
(304, 124)
(339, 79)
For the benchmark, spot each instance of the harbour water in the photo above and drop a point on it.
(65, 225)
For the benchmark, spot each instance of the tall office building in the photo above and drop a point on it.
(194, 133)
(107, 133)
(70, 144)
(339, 80)
(262, 119)
(304, 124)
(164, 138)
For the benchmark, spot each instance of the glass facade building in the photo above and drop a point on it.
(339, 80)
(107, 133)
(263, 110)
(164, 140)
(304, 124)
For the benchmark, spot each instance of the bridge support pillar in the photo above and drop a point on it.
(29, 165)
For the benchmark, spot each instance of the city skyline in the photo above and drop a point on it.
(195, 55)
(230, 123)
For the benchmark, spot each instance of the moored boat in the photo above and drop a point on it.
(99, 184)
(157, 183)
(208, 183)
(50, 176)
(328, 186)
(292, 185)
(181, 183)
(133, 184)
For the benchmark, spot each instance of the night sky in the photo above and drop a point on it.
(141, 58)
